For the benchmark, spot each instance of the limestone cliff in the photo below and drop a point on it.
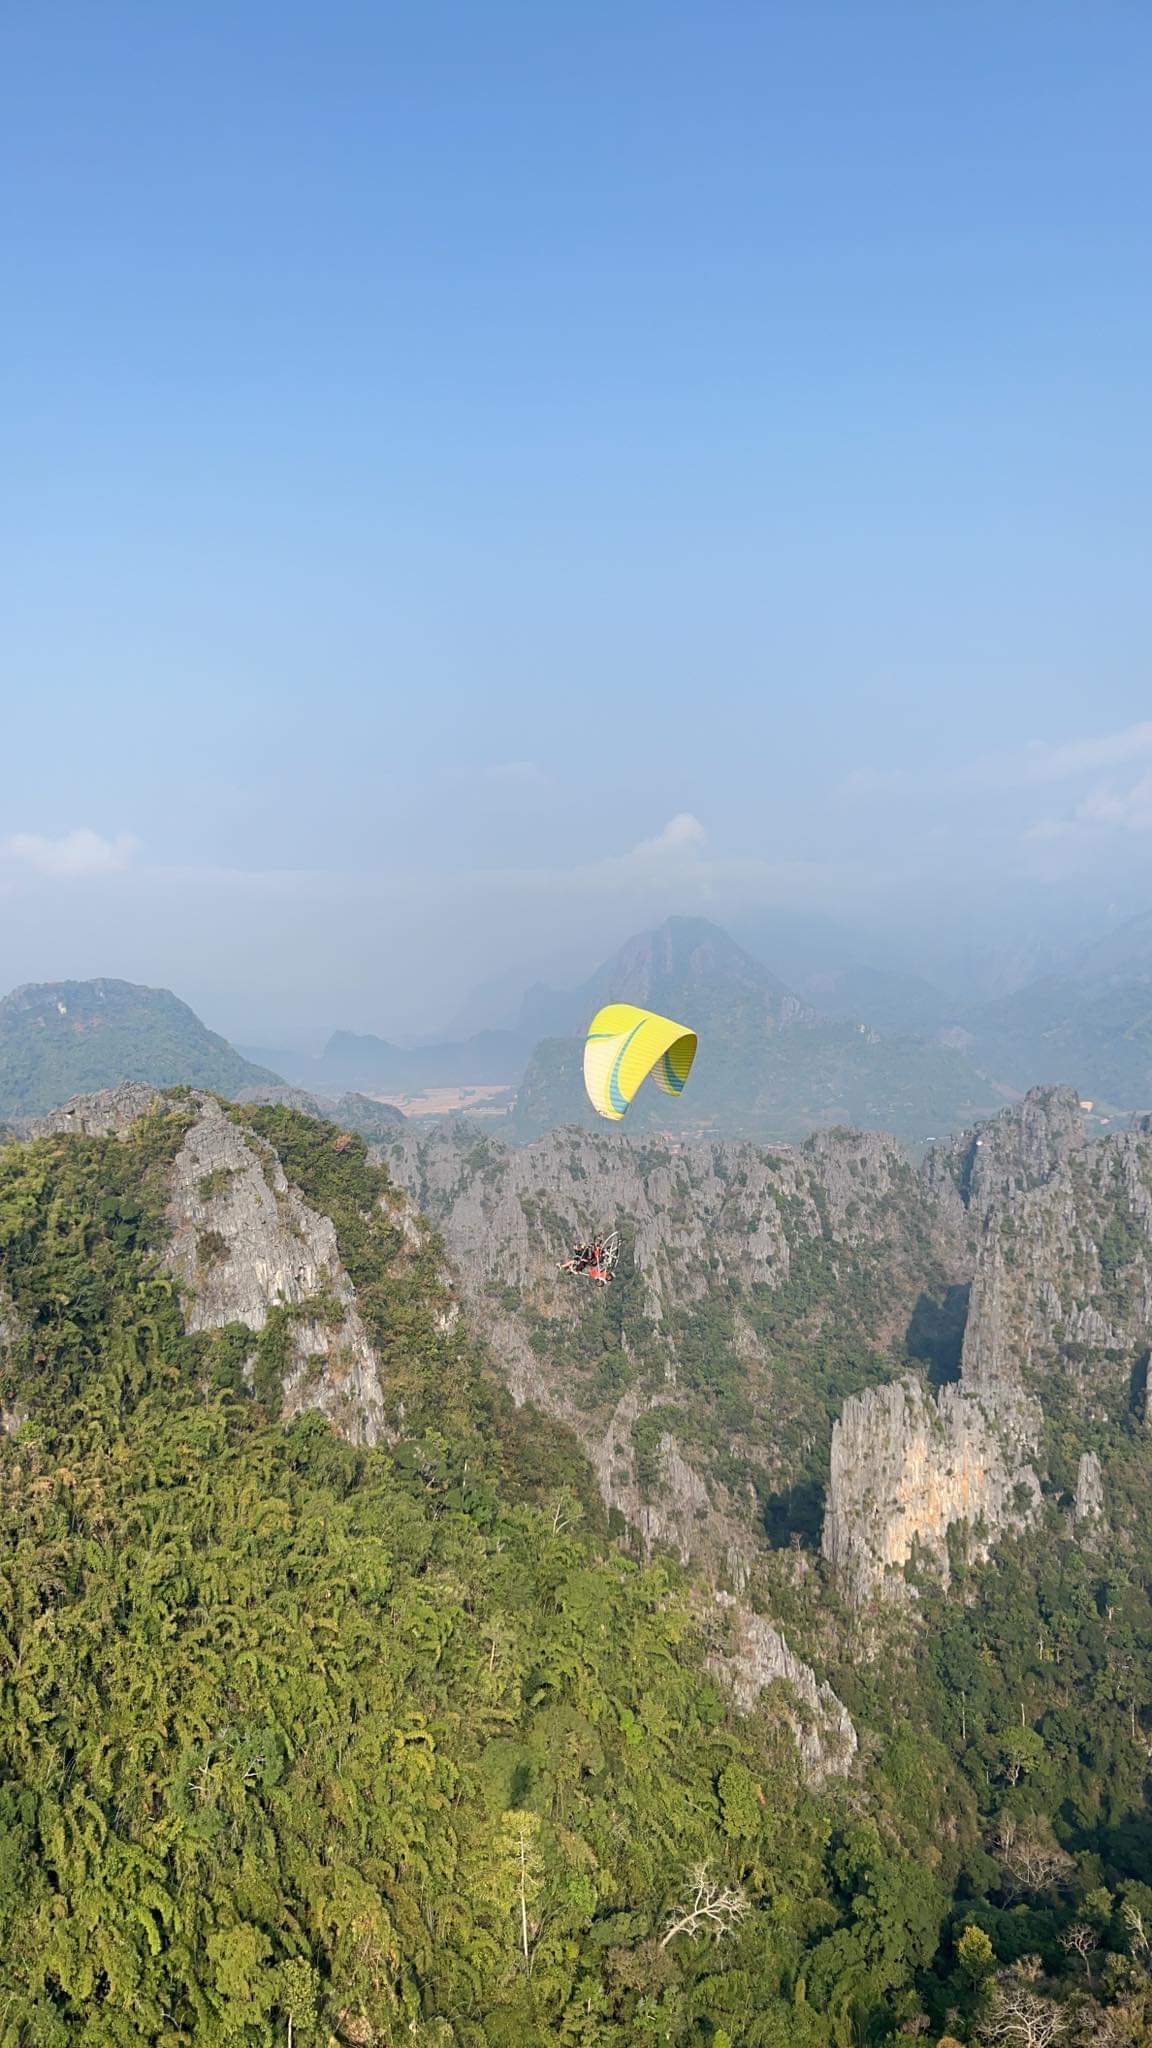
(754, 1660)
(1055, 1338)
(1013, 1272)
(677, 1511)
(1021, 1149)
(1062, 1297)
(102, 1115)
(687, 1384)
(906, 1468)
(244, 1242)
(509, 1212)
(1088, 1505)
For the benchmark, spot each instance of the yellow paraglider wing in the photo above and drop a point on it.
(625, 1045)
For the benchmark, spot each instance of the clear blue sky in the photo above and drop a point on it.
(444, 444)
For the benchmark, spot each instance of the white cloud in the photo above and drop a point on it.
(71, 856)
(682, 834)
(1105, 809)
(1045, 763)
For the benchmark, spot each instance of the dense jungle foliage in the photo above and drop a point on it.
(303, 1743)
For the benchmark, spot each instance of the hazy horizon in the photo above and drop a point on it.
(480, 483)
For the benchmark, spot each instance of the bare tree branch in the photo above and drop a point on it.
(713, 1910)
(1029, 1858)
(1021, 2018)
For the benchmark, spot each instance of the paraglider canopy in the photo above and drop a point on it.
(624, 1045)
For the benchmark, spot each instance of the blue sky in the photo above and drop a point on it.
(478, 477)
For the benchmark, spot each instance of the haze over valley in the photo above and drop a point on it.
(869, 1047)
(576, 1026)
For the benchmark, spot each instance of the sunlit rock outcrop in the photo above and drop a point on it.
(1059, 1312)
(907, 1467)
(244, 1243)
(1088, 1506)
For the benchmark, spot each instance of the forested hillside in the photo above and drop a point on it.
(64, 1038)
(333, 1711)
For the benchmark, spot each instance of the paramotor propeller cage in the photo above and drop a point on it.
(597, 1259)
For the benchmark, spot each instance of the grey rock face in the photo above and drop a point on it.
(758, 1658)
(508, 1214)
(244, 1242)
(702, 1221)
(103, 1115)
(1063, 1280)
(1062, 1288)
(1089, 1503)
(682, 1510)
(1023, 1148)
(906, 1468)
(681, 1496)
(273, 1092)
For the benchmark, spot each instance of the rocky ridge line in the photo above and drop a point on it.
(700, 1219)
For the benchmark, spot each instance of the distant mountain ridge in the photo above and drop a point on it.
(65, 1038)
(900, 1005)
(770, 1067)
(360, 1060)
(1122, 955)
(875, 1046)
(1092, 1023)
(686, 960)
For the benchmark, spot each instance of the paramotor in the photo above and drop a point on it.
(596, 1258)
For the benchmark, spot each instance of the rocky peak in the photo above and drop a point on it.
(244, 1244)
(687, 967)
(1022, 1148)
(684, 953)
(103, 1115)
